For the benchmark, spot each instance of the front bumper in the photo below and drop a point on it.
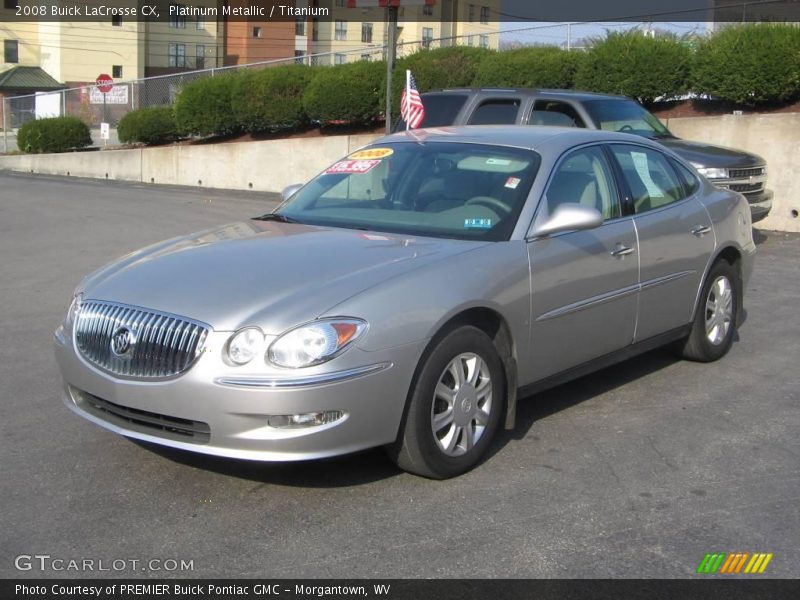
(212, 410)
(760, 204)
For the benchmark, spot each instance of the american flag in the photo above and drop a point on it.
(411, 108)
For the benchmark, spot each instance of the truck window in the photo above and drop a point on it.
(626, 116)
(440, 110)
(496, 112)
(552, 112)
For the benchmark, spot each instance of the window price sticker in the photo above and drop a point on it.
(353, 167)
(477, 223)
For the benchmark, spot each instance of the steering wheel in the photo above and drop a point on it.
(489, 202)
(625, 128)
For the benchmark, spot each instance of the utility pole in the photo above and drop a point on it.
(5, 125)
(391, 55)
(569, 37)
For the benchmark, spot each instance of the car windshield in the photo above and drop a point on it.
(440, 189)
(626, 116)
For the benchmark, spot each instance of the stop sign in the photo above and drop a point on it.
(104, 83)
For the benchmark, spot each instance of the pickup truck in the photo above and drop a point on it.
(725, 167)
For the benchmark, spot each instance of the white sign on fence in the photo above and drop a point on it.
(48, 104)
(117, 95)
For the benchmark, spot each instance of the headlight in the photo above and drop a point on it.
(712, 172)
(245, 345)
(72, 312)
(315, 343)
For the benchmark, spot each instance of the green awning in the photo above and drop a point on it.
(34, 79)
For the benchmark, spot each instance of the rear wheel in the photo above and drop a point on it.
(455, 407)
(715, 322)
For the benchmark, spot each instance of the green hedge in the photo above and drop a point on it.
(352, 93)
(58, 134)
(203, 107)
(750, 64)
(633, 64)
(148, 126)
(535, 67)
(271, 99)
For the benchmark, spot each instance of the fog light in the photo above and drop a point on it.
(305, 420)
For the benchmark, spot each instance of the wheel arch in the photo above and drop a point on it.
(733, 256)
(496, 326)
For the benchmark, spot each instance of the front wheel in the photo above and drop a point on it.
(715, 322)
(455, 407)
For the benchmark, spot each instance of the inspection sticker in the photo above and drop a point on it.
(477, 223)
(371, 154)
(513, 182)
(357, 167)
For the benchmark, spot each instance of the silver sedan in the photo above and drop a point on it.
(408, 295)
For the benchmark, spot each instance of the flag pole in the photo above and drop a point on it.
(408, 97)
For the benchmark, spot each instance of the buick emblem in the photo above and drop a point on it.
(122, 341)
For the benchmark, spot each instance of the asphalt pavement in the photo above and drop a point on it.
(636, 471)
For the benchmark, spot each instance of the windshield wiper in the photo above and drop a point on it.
(275, 217)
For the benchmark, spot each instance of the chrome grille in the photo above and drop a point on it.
(745, 173)
(160, 344)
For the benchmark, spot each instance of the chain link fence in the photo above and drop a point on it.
(93, 107)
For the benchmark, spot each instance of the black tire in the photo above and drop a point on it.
(417, 449)
(698, 347)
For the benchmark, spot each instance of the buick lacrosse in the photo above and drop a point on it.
(407, 296)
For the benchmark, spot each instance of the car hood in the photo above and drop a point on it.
(709, 155)
(269, 274)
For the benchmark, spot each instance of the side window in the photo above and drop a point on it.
(552, 112)
(651, 179)
(690, 182)
(440, 110)
(496, 112)
(584, 177)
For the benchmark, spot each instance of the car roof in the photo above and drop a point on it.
(519, 136)
(549, 93)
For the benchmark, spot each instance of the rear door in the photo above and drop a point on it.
(584, 283)
(675, 237)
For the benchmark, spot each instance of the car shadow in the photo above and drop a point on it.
(759, 237)
(360, 468)
(370, 466)
(540, 406)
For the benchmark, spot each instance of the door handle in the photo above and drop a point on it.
(701, 230)
(621, 251)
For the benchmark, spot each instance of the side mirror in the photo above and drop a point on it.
(290, 191)
(568, 217)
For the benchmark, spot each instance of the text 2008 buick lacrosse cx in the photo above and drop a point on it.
(408, 295)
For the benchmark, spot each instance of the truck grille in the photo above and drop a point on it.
(135, 342)
(745, 173)
(746, 188)
(175, 428)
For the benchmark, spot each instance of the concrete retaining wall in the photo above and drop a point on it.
(272, 165)
(776, 137)
(125, 165)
